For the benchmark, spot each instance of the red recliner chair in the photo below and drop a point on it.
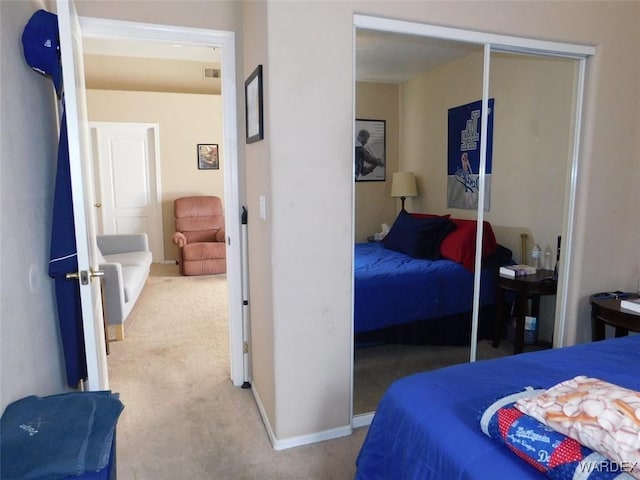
(200, 235)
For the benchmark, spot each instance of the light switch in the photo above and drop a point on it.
(263, 207)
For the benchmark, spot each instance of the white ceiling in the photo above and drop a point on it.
(139, 65)
(149, 66)
(395, 58)
(146, 49)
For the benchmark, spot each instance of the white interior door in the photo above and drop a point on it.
(128, 192)
(82, 193)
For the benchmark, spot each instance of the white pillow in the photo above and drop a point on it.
(600, 415)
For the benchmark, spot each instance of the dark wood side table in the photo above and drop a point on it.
(607, 311)
(528, 286)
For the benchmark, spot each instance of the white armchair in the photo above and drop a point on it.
(125, 261)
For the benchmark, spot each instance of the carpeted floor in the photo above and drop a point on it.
(183, 419)
(375, 368)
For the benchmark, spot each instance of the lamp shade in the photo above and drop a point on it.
(403, 184)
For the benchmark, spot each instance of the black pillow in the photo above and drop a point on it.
(418, 237)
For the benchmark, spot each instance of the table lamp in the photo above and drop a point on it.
(403, 185)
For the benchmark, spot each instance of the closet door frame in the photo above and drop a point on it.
(509, 44)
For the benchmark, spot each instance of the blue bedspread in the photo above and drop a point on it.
(394, 289)
(426, 425)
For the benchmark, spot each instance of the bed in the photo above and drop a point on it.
(407, 296)
(427, 425)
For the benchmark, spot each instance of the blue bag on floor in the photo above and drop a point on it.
(58, 436)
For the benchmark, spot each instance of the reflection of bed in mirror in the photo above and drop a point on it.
(403, 299)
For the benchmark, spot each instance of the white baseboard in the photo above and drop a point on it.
(263, 414)
(363, 420)
(302, 439)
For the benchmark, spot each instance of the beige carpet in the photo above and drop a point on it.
(183, 419)
(375, 368)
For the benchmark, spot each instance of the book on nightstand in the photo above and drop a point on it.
(517, 270)
(631, 304)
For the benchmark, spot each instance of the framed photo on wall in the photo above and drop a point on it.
(253, 106)
(370, 151)
(208, 156)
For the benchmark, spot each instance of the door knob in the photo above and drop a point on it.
(98, 205)
(84, 275)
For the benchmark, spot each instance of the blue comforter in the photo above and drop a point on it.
(426, 425)
(394, 289)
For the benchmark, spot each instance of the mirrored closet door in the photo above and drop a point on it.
(412, 315)
(535, 103)
(428, 94)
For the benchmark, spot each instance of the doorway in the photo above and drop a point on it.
(116, 30)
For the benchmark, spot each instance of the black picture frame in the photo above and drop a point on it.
(208, 156)
(254, 119)
(370, 150)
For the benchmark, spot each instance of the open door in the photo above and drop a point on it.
(82, 194)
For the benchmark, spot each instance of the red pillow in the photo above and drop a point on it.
(460, 245)
(429, 215)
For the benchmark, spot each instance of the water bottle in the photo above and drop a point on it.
(548, 261)
(536, 253)
(530, 330)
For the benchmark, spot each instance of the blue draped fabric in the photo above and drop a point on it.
(63, 260)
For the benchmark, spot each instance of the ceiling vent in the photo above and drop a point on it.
(210, 72)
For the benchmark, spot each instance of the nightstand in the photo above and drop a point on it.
(527, 286)
(607, 311)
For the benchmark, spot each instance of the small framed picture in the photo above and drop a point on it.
(208, 156)
(370, 160)
(253, 106)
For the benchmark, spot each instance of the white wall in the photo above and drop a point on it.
(184, 119)
(30, 346)
(310, 94)
(258, 180)
(373, 202)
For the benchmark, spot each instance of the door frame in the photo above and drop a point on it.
(117, 30)
(156, 243)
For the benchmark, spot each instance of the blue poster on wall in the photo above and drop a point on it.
(463, 158)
